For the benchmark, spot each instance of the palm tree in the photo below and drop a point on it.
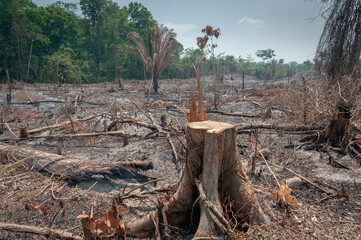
(158, 53)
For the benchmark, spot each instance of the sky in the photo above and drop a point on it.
(290, 27)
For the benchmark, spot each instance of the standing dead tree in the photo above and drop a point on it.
(339, 47)
(337, 56)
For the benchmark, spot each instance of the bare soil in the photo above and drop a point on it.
(32, 198)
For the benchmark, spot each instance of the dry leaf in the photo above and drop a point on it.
(44, 209)
(283, 196)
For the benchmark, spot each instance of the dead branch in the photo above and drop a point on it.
(302, 177)
(234, 114)
(174, 152)
(138, 123)
(60, 125)
(143, 194)
(47, 232)
(333, 161)
(80, 135)
(286, 128)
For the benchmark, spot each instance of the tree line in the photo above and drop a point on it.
(55, 44)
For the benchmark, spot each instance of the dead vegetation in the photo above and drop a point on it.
(84, 193)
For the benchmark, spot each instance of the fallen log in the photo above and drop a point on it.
(235, 114)
(286, 128)
(80, 135)
(72, 168)
(212, 158)
(47, 232)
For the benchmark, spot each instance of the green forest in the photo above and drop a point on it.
(56, 44)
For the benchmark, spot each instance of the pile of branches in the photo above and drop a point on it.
(312, 101)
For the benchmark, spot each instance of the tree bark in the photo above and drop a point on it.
(31, 51)
(212, 158)
(72, 168)
(337, 133)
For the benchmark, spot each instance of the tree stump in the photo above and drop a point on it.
(212, 169)
(337, 133)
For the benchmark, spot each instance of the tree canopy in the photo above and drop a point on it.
(54, 44)
(265, 54)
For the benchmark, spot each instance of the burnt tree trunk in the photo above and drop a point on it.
(213, 162)
(337, 133)
(72, 168)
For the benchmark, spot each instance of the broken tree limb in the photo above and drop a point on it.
(174, 151)
(47, 232)
(286, 128)
(138, 123)
(80, 135)
(72, 168)
(302, 177)
(62, 124)
(333, 161)
(235, 114)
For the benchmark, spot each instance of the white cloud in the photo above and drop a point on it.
(250, 22)
(184, 35)
(180, 28)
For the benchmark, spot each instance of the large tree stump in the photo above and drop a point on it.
(212, 161)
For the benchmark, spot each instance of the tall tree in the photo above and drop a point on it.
(265, 54)
(162, 52)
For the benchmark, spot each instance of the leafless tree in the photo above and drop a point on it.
(337, 57)
(339, 47)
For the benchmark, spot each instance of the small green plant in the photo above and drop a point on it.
(12, 171)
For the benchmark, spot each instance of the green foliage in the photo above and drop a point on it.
(12, 171)
(265, 54)
(53, 44)
(156, 53)
(50, 44)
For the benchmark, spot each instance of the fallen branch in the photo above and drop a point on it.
(334, 162)
(235, 114)
(286, 128)
(138, 123)
(72, 168)
(303, 178)
(7, 126)
(47, 232)
(142, 194)
(174, 151)
(62, 124)
(81, 135)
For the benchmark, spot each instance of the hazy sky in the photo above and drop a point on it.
(287, 26)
